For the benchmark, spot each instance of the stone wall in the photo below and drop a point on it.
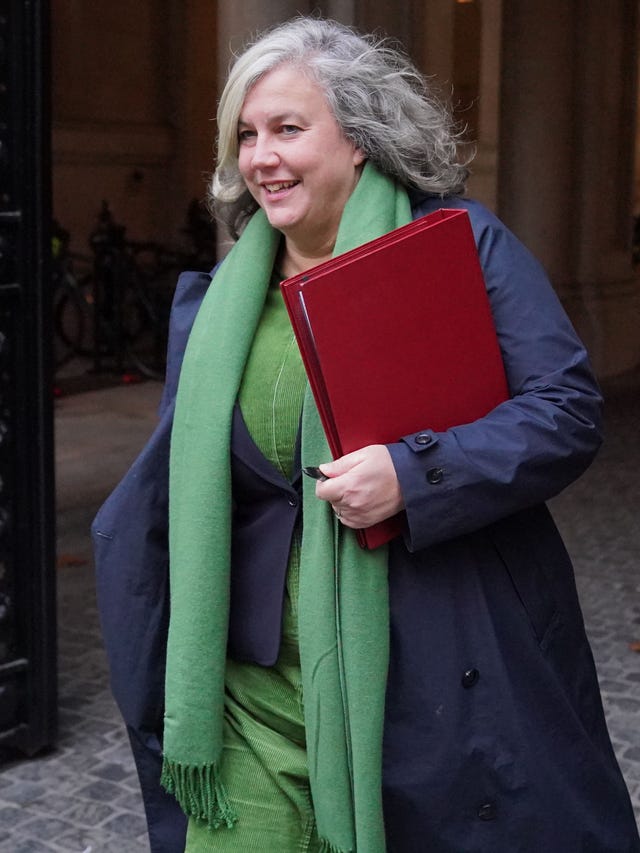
(133, 95)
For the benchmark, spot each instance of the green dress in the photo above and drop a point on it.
(264, 757)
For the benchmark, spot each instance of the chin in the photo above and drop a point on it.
(282, 223)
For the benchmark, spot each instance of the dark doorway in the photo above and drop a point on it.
(27, 509)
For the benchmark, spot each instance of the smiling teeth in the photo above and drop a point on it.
(274, 188)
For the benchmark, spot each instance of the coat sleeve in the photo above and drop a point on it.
(528, 448)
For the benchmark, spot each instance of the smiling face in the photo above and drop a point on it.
(295, 160)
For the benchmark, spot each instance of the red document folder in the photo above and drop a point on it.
(397, 336)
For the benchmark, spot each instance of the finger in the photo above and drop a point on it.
(342, 465)
(330, 490)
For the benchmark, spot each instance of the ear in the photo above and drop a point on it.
(358, 156)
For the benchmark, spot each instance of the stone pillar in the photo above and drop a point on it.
(428, 33)
(339, 10)
(237, 22)
(566, 147)
(439, 60)
(483, 181)
(536, 144)
(605, 297)
(404, 20)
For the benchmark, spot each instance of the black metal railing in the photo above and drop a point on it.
(113, 307)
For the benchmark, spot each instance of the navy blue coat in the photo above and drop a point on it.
(495, 740)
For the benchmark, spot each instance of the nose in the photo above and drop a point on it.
(264, 154)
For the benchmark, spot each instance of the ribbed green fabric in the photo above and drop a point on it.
(343, 602)
(273, 384)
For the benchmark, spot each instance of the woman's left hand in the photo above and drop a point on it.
(362, 488)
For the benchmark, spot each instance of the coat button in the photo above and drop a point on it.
(293, 501)
(423, 438)
(434, 476)
(487, 811)
(470, 677)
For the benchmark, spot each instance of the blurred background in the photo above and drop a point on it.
(107, 133)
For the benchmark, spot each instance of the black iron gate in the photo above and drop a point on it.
(27, 579)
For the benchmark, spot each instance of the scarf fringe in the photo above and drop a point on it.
(328, 847)
(199, 792)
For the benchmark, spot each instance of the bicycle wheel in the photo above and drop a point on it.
(73, 318)
(63, 350)
(146, 326)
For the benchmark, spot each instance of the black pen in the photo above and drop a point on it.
(315, 472)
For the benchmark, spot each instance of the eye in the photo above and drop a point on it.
(246, 136)
(289, 129)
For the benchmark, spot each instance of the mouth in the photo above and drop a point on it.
(277, 187)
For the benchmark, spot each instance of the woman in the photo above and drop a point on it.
(437, 694)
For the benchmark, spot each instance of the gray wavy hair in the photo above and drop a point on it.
(380, 100)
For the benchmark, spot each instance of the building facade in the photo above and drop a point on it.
(548, 91)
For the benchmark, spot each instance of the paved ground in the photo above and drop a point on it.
(83, 797)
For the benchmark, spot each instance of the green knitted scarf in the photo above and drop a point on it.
(343, 605)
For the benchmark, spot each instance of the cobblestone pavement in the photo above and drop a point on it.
(83, 797)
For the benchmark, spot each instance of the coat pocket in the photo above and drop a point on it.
(529, 559)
